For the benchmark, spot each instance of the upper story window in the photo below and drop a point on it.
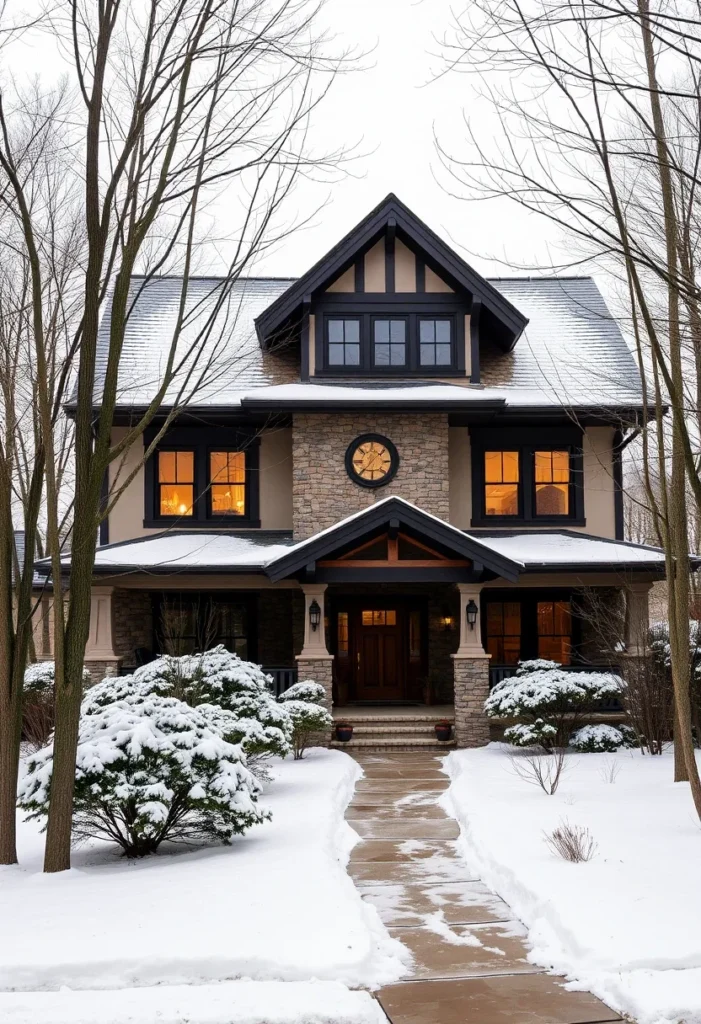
(194, 478)
(532, 483)
(402, 343)
(343, 342)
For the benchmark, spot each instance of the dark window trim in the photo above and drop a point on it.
(381, 367)
(203, 441)
(529, 440)
(529, 616)
(381, 311)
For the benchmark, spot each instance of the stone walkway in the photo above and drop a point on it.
(470, 957)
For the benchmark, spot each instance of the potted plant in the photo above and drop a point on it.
(443, 730)
(344, 731)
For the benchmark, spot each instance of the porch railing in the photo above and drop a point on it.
(499, 672)
(283, 678)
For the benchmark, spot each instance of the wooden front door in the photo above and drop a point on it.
(379, 650)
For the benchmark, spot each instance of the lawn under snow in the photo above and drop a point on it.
(277, 905)
(624, 925)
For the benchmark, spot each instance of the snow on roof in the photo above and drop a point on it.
(572, 352)
(536, 549)
(191, 550)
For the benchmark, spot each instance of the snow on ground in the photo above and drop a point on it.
(277, 905)
(624, 925)
(230, 1002)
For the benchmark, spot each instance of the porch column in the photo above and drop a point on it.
(314, 661)
(470, 673)
(101, 659)
(637, 619)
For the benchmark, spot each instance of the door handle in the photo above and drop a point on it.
(358, 658)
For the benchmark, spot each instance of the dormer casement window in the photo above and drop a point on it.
(400, 343)
(198, 476)
(537, 480)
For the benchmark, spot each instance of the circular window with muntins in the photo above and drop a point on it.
(371, 460)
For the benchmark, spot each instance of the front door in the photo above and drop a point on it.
(379, 662)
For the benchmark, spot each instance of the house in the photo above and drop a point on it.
(397, 477)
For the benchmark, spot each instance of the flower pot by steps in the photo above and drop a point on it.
(344, 732)
(443, 731)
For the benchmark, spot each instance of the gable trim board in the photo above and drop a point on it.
(437, 257)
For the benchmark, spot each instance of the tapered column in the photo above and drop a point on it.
(314, 661)
(471, 672)
(101, 659)
(637, 618)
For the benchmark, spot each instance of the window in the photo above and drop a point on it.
(389, 343)
(202, 475)
(227, 476)
(534, 625)
(552, 483)
(379, 618)
(555, 631)
(520, 475)
(342, 634)
(435, 348)
(344, 342)
(501, 479)
(504, 632)
(176, 483)
(192, 623)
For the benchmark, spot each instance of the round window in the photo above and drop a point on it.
(371, 460)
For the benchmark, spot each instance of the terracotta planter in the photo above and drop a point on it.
(344, 732)
(443, 731)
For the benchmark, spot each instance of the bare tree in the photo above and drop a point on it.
(598, 105)
(177, 101)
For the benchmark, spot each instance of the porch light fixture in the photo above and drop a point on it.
(471, 610)
(447, 620)
(314, 615)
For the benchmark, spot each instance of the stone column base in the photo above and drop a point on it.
(471, 680)
(99, 669)
(320, 669)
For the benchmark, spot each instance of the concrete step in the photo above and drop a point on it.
(393, 743)
(393, 729)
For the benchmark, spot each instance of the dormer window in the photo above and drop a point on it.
(386, 342)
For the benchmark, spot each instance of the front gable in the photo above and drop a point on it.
(390, 267)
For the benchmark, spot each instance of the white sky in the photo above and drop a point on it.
(389, 109)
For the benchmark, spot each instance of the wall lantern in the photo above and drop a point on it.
(471, 610)
(314, 615)
(447, 620)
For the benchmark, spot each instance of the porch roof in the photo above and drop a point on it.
(568, 550)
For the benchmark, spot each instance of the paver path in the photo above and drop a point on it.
(470, 957)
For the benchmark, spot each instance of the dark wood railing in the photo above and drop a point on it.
(283, 678)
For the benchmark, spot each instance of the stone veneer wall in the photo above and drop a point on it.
(132, 623)
(471, 691)
(323, 493)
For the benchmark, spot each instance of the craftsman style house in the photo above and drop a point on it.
(394, 477)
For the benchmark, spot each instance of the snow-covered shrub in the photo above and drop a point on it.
(38, 701)
(308, 720)
(217, 678)
(597, 739)
(549, 700)
(305, 689)
(149, 769)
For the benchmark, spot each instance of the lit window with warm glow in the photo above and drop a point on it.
(501, 480)
(555, 631)
(227, 475)
(552, 483)
(176, 483)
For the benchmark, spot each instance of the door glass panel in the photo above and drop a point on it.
(378, 617)
(342, 634)
(415, 636)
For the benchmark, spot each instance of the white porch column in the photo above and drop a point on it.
(314, 661)
(637, 618)
(100, 655)
(470, 638)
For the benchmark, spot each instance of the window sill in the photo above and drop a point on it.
(201, 524)
(564, 523)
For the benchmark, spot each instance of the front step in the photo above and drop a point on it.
(393, 732)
